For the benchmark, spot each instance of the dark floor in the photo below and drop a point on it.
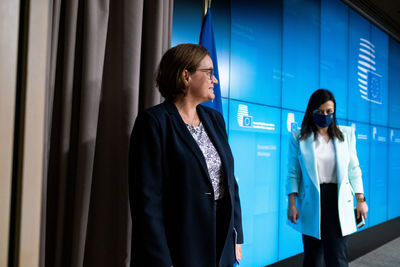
(387, 255)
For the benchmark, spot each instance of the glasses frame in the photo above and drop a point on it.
(210, 71)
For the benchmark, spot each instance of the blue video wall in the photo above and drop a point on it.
(272, 55)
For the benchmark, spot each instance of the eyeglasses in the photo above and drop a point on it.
(210, 72)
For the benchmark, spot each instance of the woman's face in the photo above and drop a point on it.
(201, 82)
(326, 108)
(323, 116)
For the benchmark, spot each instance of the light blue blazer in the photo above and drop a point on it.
(303, 179)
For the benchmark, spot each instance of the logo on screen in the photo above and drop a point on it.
(393, 138)
(369, 81)
(243, 111)
(247, 121)
(291, 123)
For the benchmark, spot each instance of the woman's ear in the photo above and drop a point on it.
(186, 77)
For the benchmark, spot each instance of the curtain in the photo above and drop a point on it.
(102, 62)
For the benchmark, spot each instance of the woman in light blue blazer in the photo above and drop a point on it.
(323, 175)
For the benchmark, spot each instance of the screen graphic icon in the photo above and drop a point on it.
(374, 132)
(244, 120)
(291, 123)
(369, 81)
(374, 87)
(243, 111)
(247, 121)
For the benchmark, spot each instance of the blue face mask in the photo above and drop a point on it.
(323, 120)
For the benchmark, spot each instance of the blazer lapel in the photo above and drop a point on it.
(185, 135)
(307, 148)
(341, 157)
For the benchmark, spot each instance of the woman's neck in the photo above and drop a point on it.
(323, 131)
(187, 110)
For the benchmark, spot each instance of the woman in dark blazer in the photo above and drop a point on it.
(183, 194)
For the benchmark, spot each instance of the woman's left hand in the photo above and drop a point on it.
(362, 209)
(238, 252)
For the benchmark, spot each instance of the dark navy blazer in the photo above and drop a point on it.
(171, 195)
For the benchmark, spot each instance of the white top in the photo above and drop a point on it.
(325, 155)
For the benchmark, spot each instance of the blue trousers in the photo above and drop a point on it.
(333, 247)
(331, 251)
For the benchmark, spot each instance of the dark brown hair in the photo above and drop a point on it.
(177, 59)
(308, 126)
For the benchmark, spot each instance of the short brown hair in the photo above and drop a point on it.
(169, 74)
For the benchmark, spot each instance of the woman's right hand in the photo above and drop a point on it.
(293, 213)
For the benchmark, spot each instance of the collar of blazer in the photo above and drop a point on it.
(209, 125)
(307, 148)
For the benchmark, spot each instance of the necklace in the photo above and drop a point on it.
(194, 121)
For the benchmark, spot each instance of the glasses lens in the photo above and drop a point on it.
(209, 71)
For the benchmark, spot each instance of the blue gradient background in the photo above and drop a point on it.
(272, 55)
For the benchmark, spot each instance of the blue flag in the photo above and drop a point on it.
(207, 40)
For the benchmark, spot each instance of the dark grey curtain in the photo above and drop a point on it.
(102, 61)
